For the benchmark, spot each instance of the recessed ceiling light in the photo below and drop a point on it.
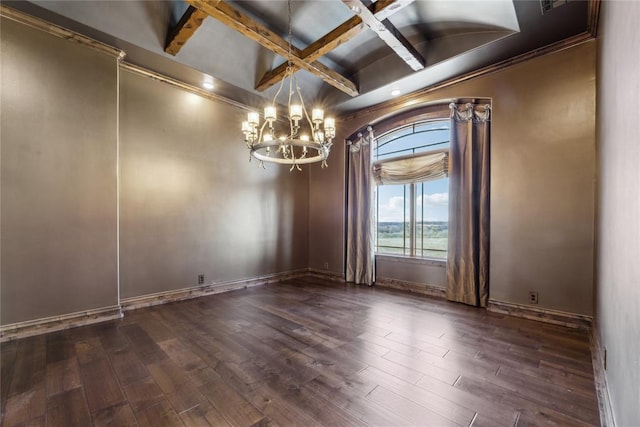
(395, 92)
(208, 84)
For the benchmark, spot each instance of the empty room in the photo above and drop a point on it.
(336, 212)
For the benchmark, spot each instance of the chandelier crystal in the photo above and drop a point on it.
(307, 139)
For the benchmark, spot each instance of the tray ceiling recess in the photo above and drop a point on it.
(350, 54)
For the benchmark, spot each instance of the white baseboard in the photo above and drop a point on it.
(555, 317)
(600, 377)
(58, 323)
(418, 288)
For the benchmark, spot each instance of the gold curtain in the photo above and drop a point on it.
(468, 254)
(360, 250)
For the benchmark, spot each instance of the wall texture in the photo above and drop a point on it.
(432, 273)
(58, 136)
(618, 280)
(542, 189)
(190, 201)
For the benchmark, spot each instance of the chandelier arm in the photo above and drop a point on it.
(284, 146)
(292, 79)
(279, 90)
(262, 131)
(304, 109)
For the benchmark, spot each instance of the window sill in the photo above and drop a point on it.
(411, 260)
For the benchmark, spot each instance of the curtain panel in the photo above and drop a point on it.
(419, 167)
(360, 242)
(468, 250)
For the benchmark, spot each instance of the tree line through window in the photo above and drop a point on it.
(412, 219)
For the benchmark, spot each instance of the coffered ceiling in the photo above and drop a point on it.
(349, 54)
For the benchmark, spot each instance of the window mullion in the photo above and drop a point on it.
(412, 220)
(404, 221)
(422, 220)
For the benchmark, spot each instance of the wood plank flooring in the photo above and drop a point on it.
(304, 353)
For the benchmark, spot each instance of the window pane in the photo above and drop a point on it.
(392, 213)
(418, 138)
(432, 218)
(394, 227)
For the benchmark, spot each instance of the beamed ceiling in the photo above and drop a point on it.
(348, 54)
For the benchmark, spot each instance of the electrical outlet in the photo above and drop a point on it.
(326, 265)
(533, 297)
(200, 279)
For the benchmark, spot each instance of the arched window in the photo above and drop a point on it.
(412, 217)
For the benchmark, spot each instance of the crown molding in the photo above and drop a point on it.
(58, 31)
(421, 96)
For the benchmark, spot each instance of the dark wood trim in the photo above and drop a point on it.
(334, 38)
(134, 303)
(55, 30)
(314, 51)
(67, 321)
(326, 275)
(257, 32)
(594, 16)
(413, 287)
(600, 378)
(420, 96)
(555, 317)
(57, 323)
(184, 29)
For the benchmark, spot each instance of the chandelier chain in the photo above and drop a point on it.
(289, 36)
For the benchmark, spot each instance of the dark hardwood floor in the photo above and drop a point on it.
(302, 353)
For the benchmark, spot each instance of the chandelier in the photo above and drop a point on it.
(307, 139)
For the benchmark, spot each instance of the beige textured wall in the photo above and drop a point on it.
(543, 171)
(618, 280)
(58, 136)
(191, 202)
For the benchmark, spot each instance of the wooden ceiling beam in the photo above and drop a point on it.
(257, 32)
(184, 29)
(389, 34)
(381, 9)
(331, 40)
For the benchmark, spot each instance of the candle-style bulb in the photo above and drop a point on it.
(317, 115)
(295, 112)
(270, 113)
(253, 118)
